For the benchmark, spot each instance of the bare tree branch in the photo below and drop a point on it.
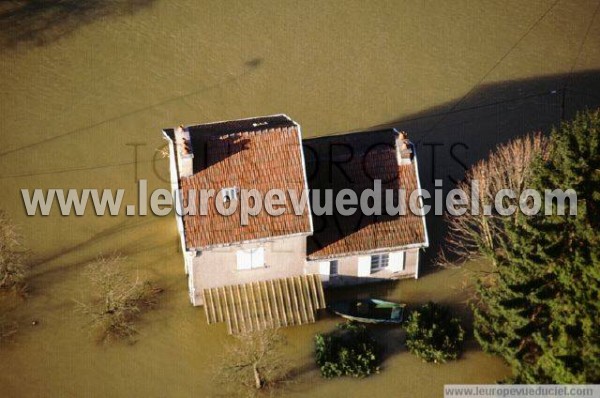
(254, 364)
(13, 269)
(507, 167)
(117, 300)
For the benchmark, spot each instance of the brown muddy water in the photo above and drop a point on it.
(82, 88)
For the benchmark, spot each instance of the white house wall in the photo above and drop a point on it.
(218, 267)
(349, 269)
(173, 167)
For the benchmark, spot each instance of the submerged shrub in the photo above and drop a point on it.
(117, 299)
(13, 270)
(433, 334)
(347, 351)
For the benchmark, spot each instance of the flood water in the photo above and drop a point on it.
(84, 98)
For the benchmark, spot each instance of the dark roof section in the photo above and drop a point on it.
(247, 125)
(354, 161)
(235, 126)
(170, 133)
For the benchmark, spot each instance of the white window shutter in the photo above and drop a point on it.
(258, 257)
(324, 267)
(244, 260)
(324, 270)
(364, 266)
(396, 263)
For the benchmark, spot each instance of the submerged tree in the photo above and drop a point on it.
(253, 363)
(13, 269)
(540, 310)
(350, 350)
(433, 334)
(117, 299)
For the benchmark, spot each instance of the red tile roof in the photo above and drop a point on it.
(261, 154)
(354, 161)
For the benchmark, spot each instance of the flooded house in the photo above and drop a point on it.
(381, 240)
(268, 268)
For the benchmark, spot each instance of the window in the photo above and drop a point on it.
(333, 267)
(379, 261)
(252, 258)
(229, 194)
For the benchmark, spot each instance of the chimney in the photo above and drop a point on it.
(185, 156)
(405, 149)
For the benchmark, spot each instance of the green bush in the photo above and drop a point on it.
(433, 334)
(347, 351)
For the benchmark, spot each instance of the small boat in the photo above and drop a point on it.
(370, 311)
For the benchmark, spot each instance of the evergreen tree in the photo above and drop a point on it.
(540, 308)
